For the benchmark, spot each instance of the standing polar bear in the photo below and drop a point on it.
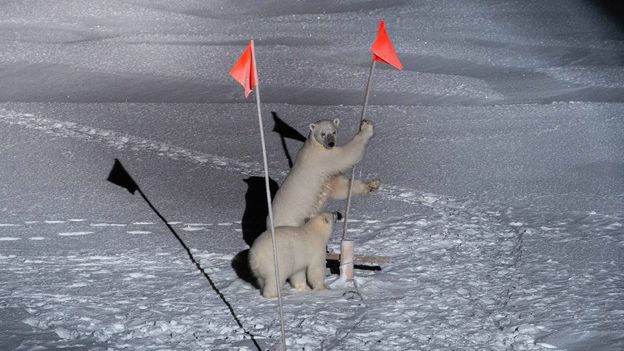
(300, 251)
(317, 174)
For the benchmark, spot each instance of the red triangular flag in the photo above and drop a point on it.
(382, 48)
(243, 69)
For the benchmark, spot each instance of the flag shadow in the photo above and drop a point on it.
(286, 131)
(119, 176)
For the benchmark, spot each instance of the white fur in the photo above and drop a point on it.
(311, 181)
(301, 253)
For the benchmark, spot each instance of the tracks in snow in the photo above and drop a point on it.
(83, 227)
(458, 236)
(122, 141)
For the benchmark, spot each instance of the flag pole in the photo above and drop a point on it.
(362, 116)
(268, 197)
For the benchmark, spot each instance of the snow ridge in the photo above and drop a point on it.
(123, 141)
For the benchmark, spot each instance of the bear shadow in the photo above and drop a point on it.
(256, 211)
(240, 264)
(253, 223)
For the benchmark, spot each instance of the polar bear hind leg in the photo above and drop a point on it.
(316, 276)
(339, 186)
(261, 282)
(268, 289)
(298, 280)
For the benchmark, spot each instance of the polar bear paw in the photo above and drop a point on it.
(367, 127)
(301, 287)
(373, 185)
(269, 293)
(320, 287)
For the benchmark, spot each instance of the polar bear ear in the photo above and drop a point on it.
(336, 122)
(312, 126)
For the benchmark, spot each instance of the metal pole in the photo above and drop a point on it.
(348, 206)
(268, 196)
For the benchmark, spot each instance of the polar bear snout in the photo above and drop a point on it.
(330, 141)
(330, 217)
(337, 216)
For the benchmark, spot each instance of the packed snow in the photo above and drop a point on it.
(499, 147)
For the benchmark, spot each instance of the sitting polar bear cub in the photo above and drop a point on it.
(317, 174)
(301, 255)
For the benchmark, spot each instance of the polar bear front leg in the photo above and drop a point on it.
(316, 275)
(269, 290)
(343, 158)
(339, 186)
(298, 281)
(260, 281)
(372, 185)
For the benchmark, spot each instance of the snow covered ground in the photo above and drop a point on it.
(500, 150)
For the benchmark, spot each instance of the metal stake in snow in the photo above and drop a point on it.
(268, 195)
(346, 257)
(362, 116)
(383, 51)
(246, 73)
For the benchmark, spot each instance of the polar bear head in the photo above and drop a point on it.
(325, 132)
(323, 224)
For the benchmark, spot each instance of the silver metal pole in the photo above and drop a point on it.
(268, 196)
(362, 116)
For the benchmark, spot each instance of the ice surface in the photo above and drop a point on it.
(499, 148)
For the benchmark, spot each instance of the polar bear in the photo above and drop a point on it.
(317, 174)
(300, 251)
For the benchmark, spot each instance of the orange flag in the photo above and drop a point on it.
(244, 69)
(382, 48)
